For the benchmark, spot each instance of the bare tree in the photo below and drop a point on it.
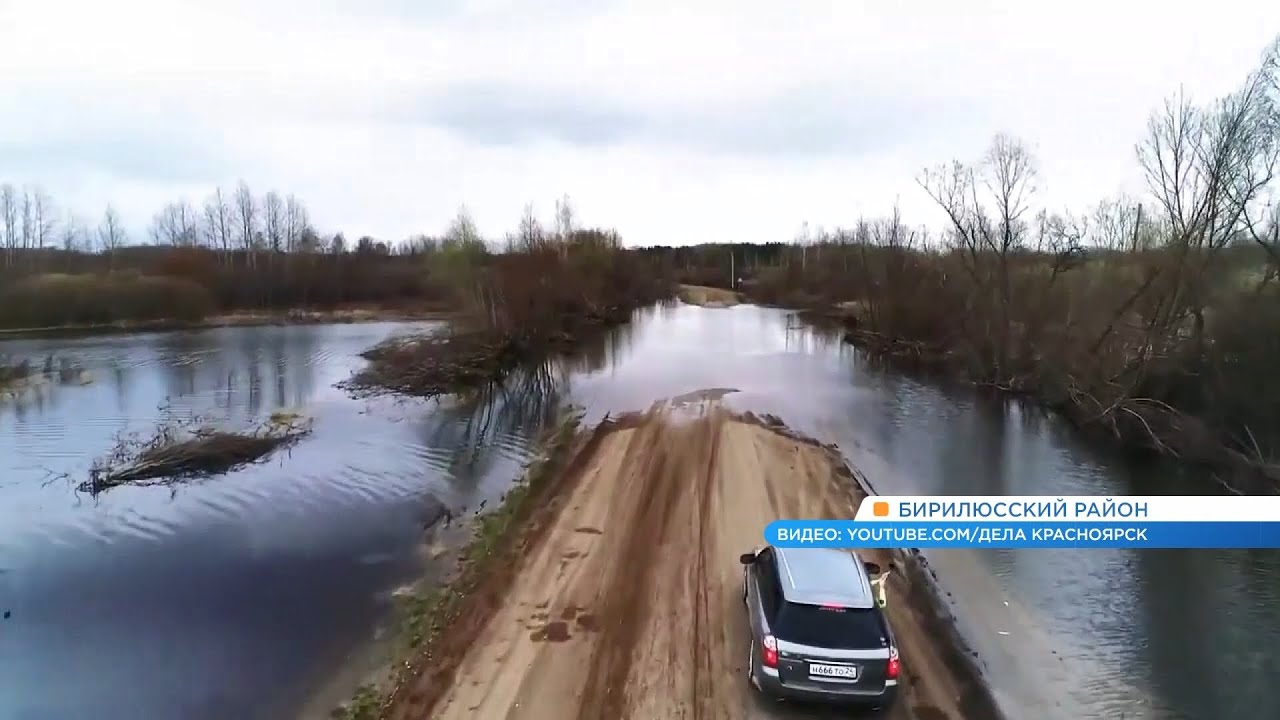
(73, 235)
(246, 215)
(42, 210)
(565, 221)
(218, 223)
(1112, 224)
(1267, 234)
(1010, 177)
(157, 231)
(987, 208)
(530, 235)
(28, 220)
(176, 225)
(462, 229)
(1264, 227)
(273, 220)
(802, 240)
(9, 217)
(1208, 168)
(111, 233)
(295, 223)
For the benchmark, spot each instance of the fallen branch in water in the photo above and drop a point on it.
(177, 452)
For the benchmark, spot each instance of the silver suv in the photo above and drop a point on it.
(817, 632)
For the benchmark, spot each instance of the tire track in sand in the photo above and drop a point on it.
(651, 475)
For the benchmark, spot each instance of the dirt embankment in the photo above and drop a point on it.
(707, 296)
(624, 600)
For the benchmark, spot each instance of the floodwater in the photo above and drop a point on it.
(238, 596)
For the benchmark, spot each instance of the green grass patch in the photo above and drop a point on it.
(364, 705)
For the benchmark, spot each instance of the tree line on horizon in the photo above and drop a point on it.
(226, 223)
(1155, 319)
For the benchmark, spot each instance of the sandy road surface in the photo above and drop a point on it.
(707, 296)
(628, 605)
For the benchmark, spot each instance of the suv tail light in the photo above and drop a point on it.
(895, 665)
(769, 652)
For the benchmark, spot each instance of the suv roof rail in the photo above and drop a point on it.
(824, 576)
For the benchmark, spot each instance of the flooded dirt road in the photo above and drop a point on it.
(629, 603)
(240, 597)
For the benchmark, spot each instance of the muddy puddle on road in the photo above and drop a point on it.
(626, 599)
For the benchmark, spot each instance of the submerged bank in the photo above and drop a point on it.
(621, 556)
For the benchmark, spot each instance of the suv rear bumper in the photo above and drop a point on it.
(770, 685)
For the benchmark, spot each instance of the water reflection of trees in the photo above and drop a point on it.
(519, 406)
(39, 392)
(1185, 624)
(606, 349)
(245, 370)
(467, 434)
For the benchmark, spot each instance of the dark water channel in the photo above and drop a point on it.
(237, 597)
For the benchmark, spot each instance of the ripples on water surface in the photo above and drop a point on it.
(233, 598)
(225, 598)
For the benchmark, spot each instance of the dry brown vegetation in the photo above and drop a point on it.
(541, 295)
(86, 299)
(188, 284)
(189, 450)
(1156, 320)
(239, 252)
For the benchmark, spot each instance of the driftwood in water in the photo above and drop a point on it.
(175, 453)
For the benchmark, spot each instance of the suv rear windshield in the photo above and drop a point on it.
(836, 628)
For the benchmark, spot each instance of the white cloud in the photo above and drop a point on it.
(674, 122)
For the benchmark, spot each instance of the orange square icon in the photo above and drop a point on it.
(880, 509)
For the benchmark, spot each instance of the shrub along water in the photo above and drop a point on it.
(1158, 346)
(91, 299)
(184, 284)
(1155, 321)
(543, 294)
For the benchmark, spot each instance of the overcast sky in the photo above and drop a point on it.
(675, 122)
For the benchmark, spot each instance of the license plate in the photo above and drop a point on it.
(839, 672)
